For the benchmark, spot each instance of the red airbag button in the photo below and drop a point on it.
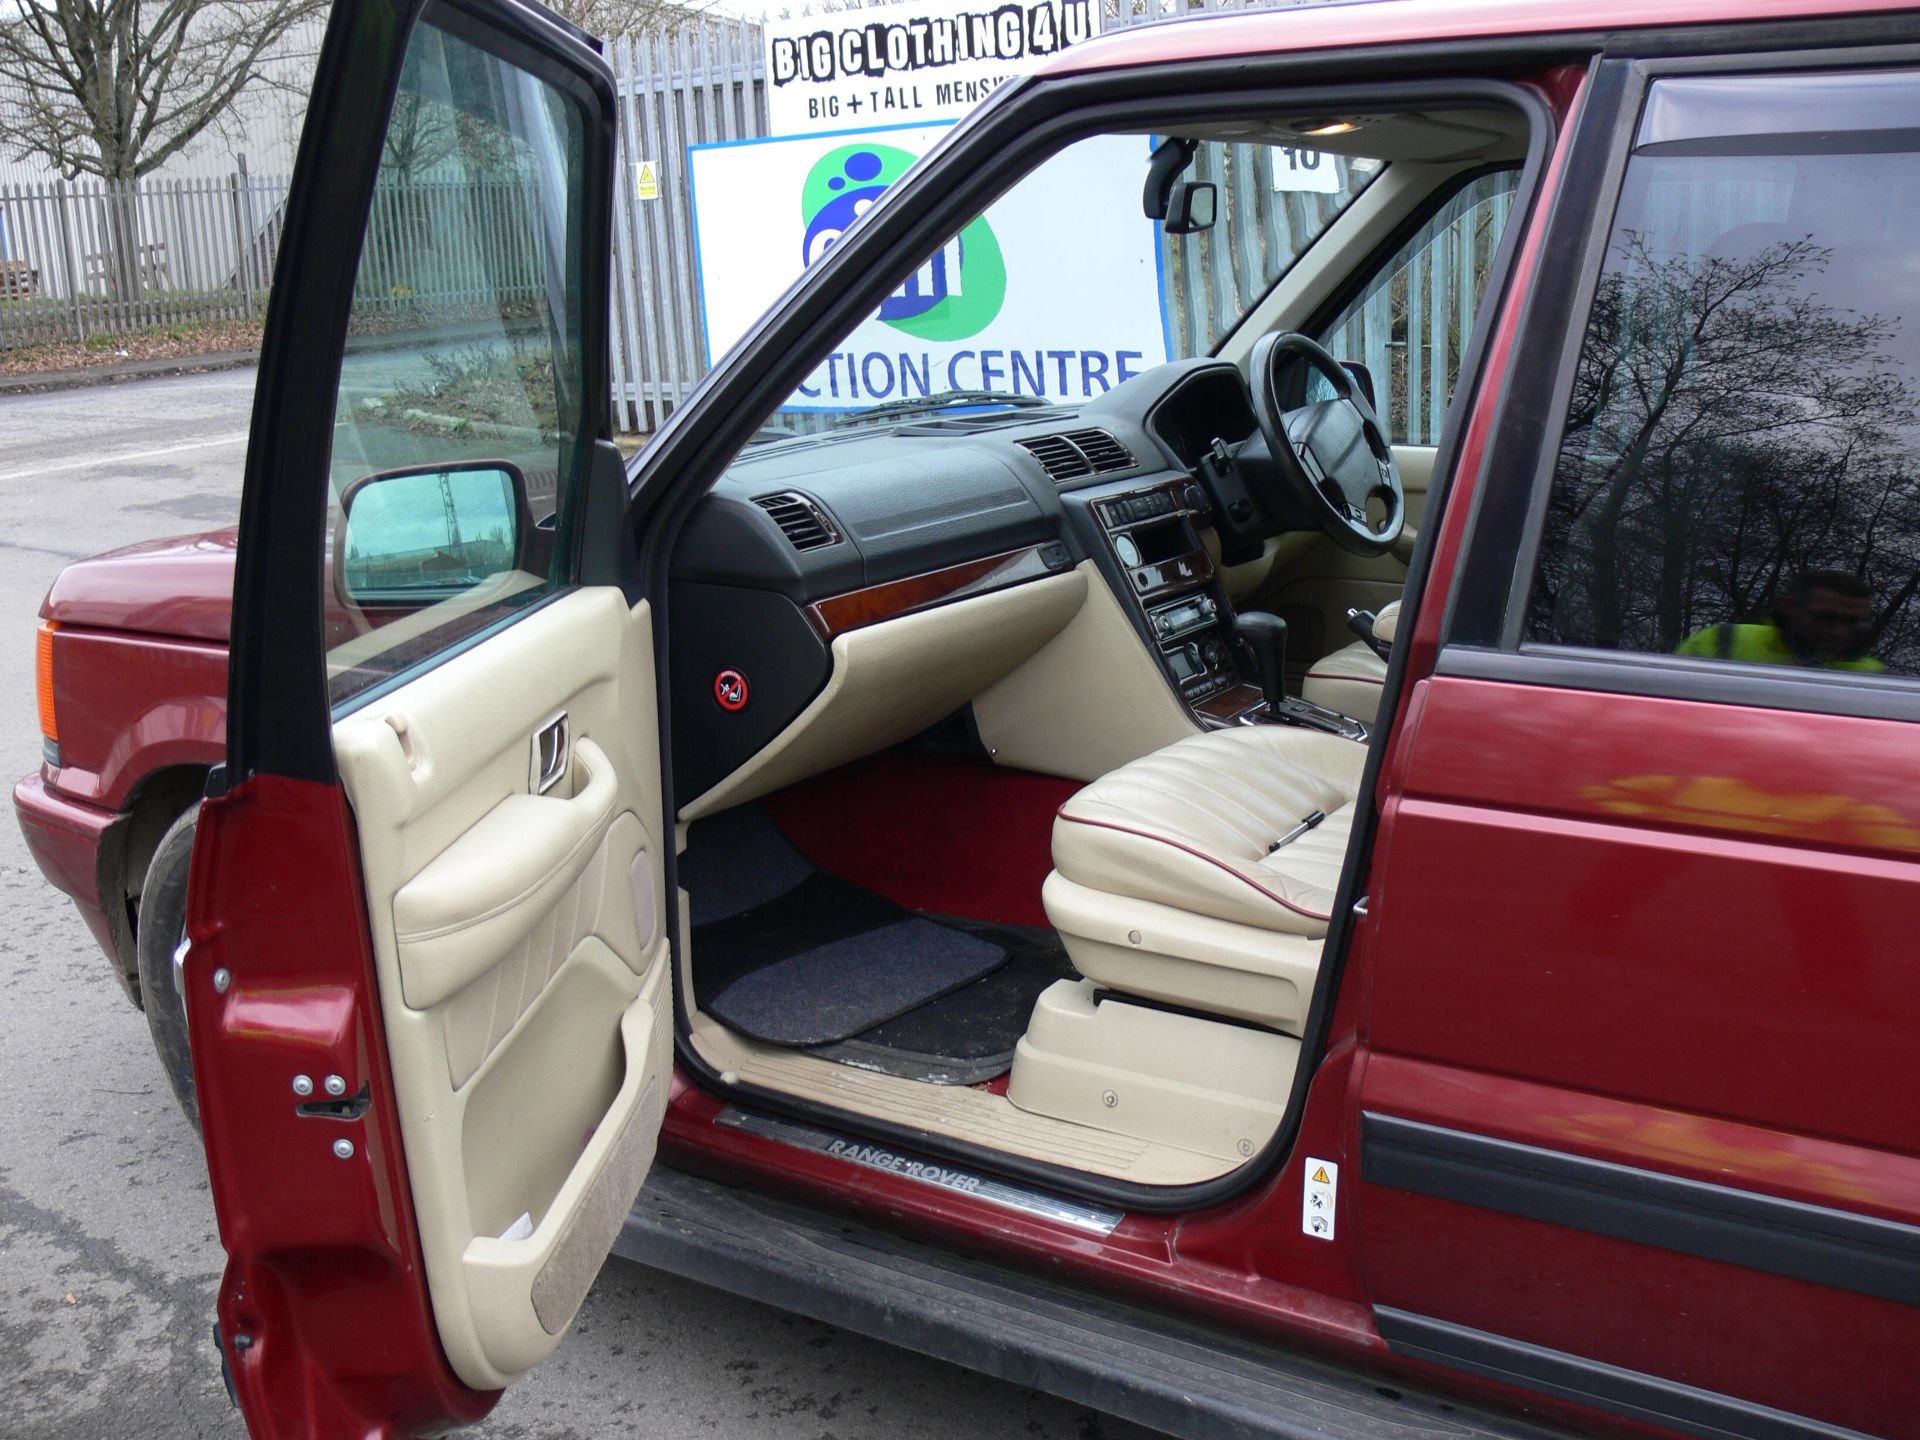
(730, 690)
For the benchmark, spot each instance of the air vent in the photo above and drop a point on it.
(1059, 457)
(799, 519)
(1079, 453)
(1103, 452)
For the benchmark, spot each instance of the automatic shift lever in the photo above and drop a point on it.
(1265, 634)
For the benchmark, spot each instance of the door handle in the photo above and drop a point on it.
(551, 754)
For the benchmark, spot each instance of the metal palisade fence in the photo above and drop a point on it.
(86, 260)
(81, 259)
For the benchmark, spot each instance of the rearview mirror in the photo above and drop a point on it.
(1192, 206)
(412, 537)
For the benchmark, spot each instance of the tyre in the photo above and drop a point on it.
(163, 925)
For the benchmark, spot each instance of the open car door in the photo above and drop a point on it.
(426, 979)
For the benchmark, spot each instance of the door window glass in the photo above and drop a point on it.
(1272, 203)
(459, 424)
(1736, 478)
(1411, 325)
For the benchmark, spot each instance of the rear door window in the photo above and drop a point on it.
(1736, 476)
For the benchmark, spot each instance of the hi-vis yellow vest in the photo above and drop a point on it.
(1760, 645)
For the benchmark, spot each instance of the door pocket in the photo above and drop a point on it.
(524, 1292)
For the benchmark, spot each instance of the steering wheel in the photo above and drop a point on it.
(1332, 454)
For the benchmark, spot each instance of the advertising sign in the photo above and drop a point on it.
(1054, 292)
(900, 64)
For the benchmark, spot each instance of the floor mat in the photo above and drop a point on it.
(945, 834)
(968, 1036)
(828, 959)
(736, 860)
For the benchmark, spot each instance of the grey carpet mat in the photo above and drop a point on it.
(793, 956)
(970, 1035)
(841, 987)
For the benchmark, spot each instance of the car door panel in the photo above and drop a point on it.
(1640, 994)
(1659, 1078)
(521, 962)
(427, 989)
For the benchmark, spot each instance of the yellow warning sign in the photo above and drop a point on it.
(646, 180)
(1320, 1176)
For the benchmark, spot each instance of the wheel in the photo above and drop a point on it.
(163, 926)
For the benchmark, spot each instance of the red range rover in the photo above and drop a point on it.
(952, 869)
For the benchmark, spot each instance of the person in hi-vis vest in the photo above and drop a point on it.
(1823, 618)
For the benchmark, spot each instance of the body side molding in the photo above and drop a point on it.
(1841, 1248)
(1633, 1393)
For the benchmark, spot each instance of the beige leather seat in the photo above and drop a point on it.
(1351, 679)
(1164, 885)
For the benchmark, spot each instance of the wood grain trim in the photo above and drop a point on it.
(1231, 703)
(840, 613)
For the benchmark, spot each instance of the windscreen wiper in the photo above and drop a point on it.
(950, 400)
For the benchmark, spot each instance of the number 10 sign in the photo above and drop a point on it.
(1304, 170)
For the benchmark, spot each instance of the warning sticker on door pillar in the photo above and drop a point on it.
(1317, 1192)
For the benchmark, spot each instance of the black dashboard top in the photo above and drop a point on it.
(820, 515)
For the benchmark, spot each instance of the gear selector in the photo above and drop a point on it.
(1265, 635)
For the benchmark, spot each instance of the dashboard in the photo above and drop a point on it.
(807, 538)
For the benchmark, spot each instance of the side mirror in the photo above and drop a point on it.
(1363, 378)
(1192, 206)
(409, 538)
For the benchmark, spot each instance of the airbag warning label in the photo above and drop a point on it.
(1317, 1192)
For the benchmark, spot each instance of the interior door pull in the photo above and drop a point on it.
(552, 749)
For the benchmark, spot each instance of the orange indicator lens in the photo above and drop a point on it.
(49, 725)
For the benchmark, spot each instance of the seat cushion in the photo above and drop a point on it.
(1189, 826)
(1352, 679)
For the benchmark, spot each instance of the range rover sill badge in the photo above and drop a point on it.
(1094, 1219)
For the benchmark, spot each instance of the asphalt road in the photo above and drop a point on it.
(108, 1254)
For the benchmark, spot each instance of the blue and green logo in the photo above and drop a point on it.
(954, 295)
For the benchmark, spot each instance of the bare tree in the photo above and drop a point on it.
(115, 88)
(609, 18)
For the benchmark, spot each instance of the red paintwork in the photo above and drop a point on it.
(1702, 966)
(972, 842)
(1412, 22)
(358, 1354)
(140, 685)
(64, 838)
(132, 705)
(181, 587)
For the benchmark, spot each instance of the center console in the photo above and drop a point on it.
(1154, 546)
(1151, 537)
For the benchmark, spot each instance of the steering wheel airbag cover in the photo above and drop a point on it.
(1332, 453)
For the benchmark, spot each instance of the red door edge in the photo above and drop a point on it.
(323, 1303)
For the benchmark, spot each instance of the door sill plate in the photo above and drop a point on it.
(1093, 1219)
